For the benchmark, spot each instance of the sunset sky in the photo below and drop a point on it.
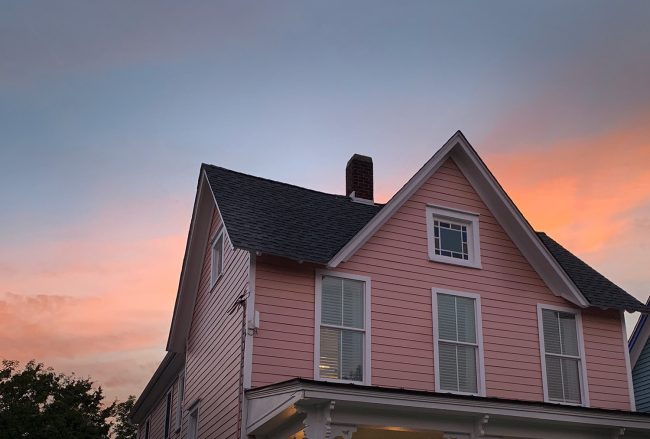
(107, 110)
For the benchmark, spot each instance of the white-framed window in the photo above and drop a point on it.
(168, 414)
(342, 341)
(217, 257)
(453, 236)
(179, 402)
(193, 424)
(564, 371)
(458, 342)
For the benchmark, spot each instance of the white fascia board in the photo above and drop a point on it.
(641, 341)
(197, 242)
(516, 225)
(425, 172)
(497, 201)
(368, 398)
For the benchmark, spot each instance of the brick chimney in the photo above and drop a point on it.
(358, 177)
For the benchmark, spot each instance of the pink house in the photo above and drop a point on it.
(440, 314)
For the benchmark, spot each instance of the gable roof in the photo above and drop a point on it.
(285, 220)
(269, 217)
(639, 337)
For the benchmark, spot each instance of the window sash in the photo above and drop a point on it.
(457, 327)
(342, 351)
(562, 355)
(217, 257)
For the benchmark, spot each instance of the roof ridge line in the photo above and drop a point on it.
(276, 181)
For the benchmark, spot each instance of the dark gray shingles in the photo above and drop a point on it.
(305, 225)
(285, 220)
(596, 288)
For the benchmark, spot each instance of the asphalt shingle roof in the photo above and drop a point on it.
(305, 225)
(596, 288)
(285, 220)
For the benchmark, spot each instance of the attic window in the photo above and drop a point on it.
(453, 236)
(217, 257)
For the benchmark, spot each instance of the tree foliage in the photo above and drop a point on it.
(36, 402)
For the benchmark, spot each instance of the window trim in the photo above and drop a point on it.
(147, 428)
(167, 424)
(470, 219)
(367, 326)
(480, 369)
(215, 275)
(584, 382)
(192, 410)
(180, 395)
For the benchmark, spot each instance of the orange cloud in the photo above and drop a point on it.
(97, 301)
(581, 190)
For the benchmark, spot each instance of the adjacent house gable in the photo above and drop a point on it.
(639, 346)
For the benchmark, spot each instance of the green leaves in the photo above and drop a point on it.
(36, 402)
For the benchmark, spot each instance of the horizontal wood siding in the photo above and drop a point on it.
(641, 379)
(396, 259)
(214, 351)
(157, 417)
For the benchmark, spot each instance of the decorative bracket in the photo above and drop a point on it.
(344, 431)
(318, 420)
(481, 425)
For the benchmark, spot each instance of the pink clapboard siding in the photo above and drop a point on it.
(157, 416)
(214, 351)
(396, 260)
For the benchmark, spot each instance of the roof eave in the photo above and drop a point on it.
(497, 200)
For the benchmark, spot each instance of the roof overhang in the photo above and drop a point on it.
(168, 370)
(493, 195)
(197, 242)
(271, 409)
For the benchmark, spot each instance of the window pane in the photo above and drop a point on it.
(569, 333)
(551, 331)
(554, 378)
(448, 367)
(447, 317)
(466, 319)
(330, 353)
(467, 376)
(332, 300)
(571, 378)
(451, 240)
(352, 353)
(353, 306)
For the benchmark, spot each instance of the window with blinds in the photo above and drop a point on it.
(561, 356)
(342, 328)
(217, 258)
(458, 346)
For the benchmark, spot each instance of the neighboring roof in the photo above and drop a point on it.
(168, 370)
(285, 220)
(639, 337)
(598, 290)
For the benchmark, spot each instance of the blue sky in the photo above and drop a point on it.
(107, 110)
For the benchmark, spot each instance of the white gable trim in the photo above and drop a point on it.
(643, 329)
(497, 201)
(197, 243)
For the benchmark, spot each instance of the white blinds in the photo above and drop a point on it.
(562, 356)
(342, 332)
(457, 343)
